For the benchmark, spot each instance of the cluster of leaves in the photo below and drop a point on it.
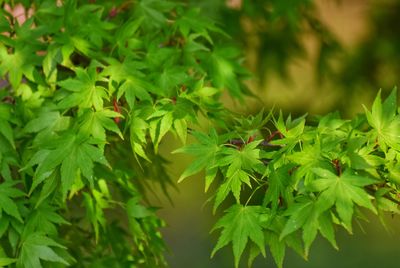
(291, 181)
(88, 91)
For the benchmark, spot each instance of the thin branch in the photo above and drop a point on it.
(388, 197)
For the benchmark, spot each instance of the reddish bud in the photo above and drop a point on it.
(251, 138)
(113, 12)
(116, 109)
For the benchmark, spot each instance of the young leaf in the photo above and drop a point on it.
(343, 191)
(205, 151)
(385, 121)
(96, 123)
(240, 224)
(83, 90)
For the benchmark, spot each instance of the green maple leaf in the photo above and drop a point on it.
(46, 124)
(279, 182)
(240, 224)
(309, 157)
(206, 153)
(342, 191)
(189, 23)
(170, 79)
(307, 215)
(245, 158)
(384, 120)
(153, 11)
(232, 184)
(70, 154)
(43, 120)
(274, 225)
(94, 210)
(138, 129)
(239, 162)
(160, 126)
(84, 92)
(135, 87)
(291, 131)
(130, 80)
(36, 247)
(95, 29)
(126, 36)
(95, 123)
(17, 64)
(44, 219)
(7, 195)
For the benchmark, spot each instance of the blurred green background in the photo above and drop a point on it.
(307, 57)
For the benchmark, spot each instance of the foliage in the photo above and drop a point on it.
(300, 180)
(85, 82)
(89, 91)
(303, 179)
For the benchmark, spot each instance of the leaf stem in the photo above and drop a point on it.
(388, 197)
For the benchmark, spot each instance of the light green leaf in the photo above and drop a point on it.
(180, 127)
(44, 120)
(233, 184)
(84, 92)
(4, 262)
(240, 224)
(206, 153)
(343, 191)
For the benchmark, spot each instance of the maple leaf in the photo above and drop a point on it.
(188, 23)
(17, 64)
(240, 163)
(232, 184)
(95, 123)
(240, 224)
(308, 215)
(279, 181)
(44, 219)
(36, 247)
(85, 93)
(131, 80)
(138, 130)
(206, 153)
(342, 191)
(7, 194)
(69, 153)
(384, 120)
